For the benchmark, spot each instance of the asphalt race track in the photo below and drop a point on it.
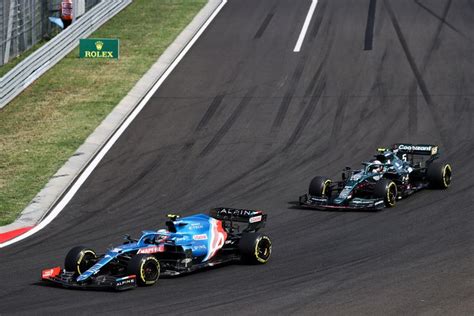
(244, 121)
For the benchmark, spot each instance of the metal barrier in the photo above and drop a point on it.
(24, 23)
(21, 26)
(32, 67)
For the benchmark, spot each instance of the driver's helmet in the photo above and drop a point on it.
(376, 166)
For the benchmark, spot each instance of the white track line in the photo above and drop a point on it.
(83, 177)
(305, 26)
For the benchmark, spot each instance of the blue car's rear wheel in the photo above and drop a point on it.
(255, 248)
(146, 268)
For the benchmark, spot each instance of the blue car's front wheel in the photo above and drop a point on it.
(79, 259)
(146, 268)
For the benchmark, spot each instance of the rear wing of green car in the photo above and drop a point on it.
(420, 149)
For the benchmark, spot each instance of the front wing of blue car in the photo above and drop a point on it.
(66, 279)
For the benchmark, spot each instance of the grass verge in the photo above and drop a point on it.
(43, 126)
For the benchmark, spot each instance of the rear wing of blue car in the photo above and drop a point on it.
(255, 218)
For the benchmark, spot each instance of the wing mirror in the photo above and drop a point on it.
(128, 238)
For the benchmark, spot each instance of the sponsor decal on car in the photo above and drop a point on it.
(152, 249)
(130, 279)
(50, 273)
(200, 237)
(198, 247)
(237, 212)
(255, 219)
(415, 147)
(125, 282)
(195, 226)
(217, 238)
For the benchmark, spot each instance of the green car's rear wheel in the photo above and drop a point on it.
(439, 175)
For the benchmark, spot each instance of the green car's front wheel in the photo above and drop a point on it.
(387, 190)
(319, 186)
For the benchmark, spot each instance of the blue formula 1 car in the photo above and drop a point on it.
(394, 174)
(187, 244)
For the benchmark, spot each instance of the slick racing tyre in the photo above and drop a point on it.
(387, 190)
(255, 248)
(439, 175)
(79, 259)
(319, 186)
(146, 268)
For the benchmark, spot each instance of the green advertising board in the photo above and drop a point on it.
(99, 48)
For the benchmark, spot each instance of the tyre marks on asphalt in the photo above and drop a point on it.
(413, 90)
(413, 109)
(418, 76)
(191, 160)
(211, 110)
(313, 102)
(465, 114)
(286, 100)
(318, 19)
(244, 102)
(377, 89)
(295, 78)
(264, 25)
(369, 30)
(442, 18)
(307, 115)
(268, 162)
(339, 116)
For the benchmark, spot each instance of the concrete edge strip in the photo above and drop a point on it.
(50, 201)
